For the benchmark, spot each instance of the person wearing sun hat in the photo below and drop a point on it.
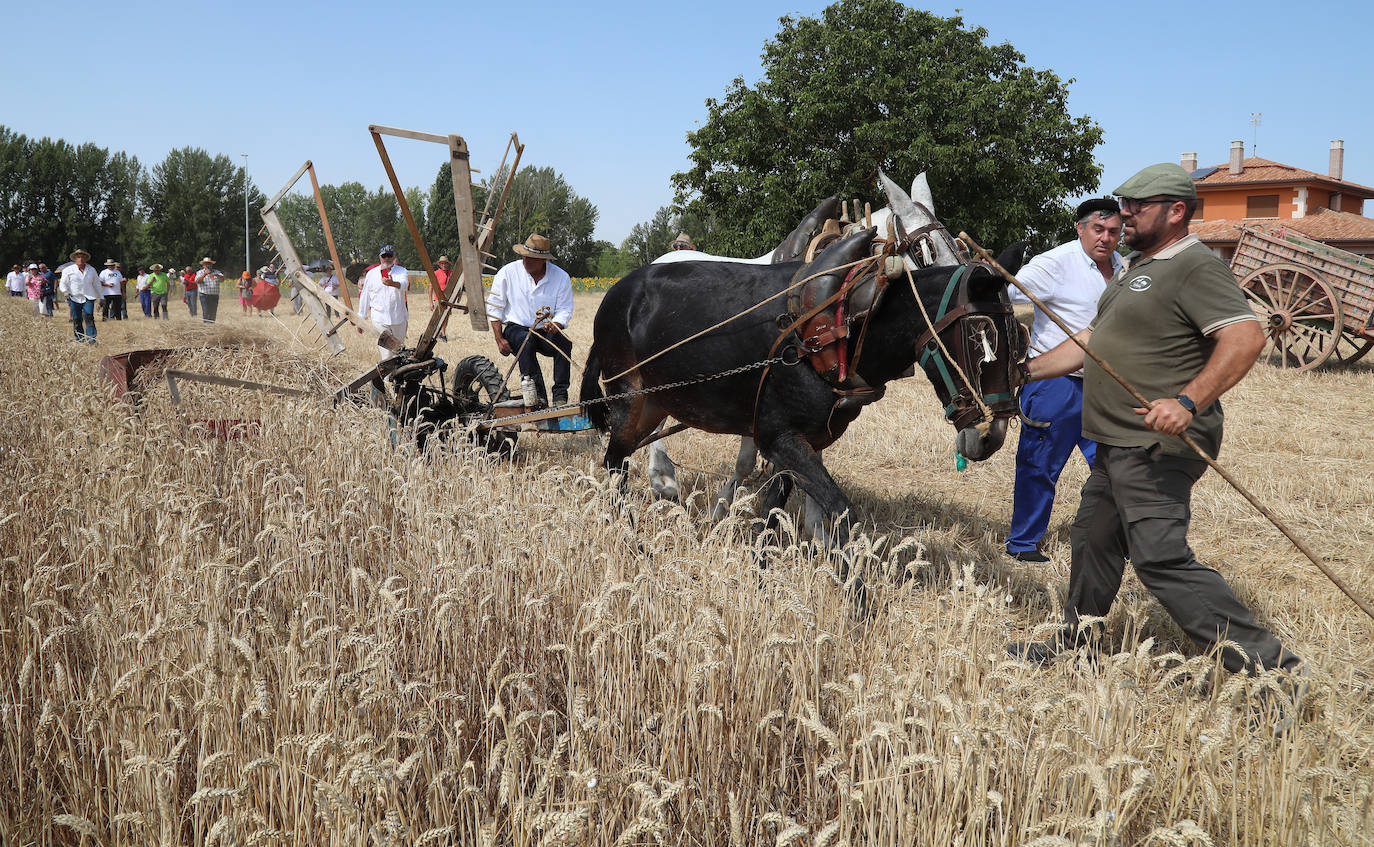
(208, 279)
(1068, 279)
(682, 242)
(530, 305)
(33, 286)
(443, 268)
(158, 286)
(111, 291)
(1175, 325)
(81, 287)
(382, 297)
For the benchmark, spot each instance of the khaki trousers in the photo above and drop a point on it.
(1136, 503)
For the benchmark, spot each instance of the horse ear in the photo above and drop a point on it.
(900, 202)
(920, 192)
(1014, 256)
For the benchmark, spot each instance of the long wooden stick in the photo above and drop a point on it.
(401, 198)
(1140, 398)
(329, 236)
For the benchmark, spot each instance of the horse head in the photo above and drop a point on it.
(971, 350)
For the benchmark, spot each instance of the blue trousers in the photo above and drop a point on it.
(82, 313)
(1042, 454)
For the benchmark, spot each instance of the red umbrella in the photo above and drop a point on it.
(265, 295)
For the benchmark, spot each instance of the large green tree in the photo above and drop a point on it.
(874, 84)
(195, 209)
(360, 220)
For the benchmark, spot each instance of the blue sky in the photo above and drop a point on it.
(606, 92)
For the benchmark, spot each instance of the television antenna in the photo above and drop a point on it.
(1256, 118)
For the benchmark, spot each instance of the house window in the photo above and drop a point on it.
(1197, 213)
(1262, 206)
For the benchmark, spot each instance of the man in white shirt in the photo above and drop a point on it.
(382, 297)
(111, 291)
(81, 287)
(530, 305)
(1069, 279)
(15, 281)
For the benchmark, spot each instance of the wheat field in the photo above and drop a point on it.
(310, 636)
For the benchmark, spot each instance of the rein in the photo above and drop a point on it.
(694, 336)
(945, 320)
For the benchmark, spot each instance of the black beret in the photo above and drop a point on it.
(1097, 204)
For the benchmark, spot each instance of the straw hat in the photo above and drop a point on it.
(111, 263)
(79, 252)
(155, 268)
(683, 242)
(207, 259)
(443, 259)
(535, 247)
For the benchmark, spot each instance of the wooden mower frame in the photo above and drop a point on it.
(410, 400)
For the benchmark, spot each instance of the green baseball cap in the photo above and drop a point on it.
(1165, 179)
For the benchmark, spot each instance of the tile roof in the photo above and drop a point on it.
(1264, 170)
(1325, 225)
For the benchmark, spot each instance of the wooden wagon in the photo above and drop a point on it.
(1317, 301)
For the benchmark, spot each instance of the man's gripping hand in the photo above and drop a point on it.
(1166, 415)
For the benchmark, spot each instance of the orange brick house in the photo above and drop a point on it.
(1259, 192)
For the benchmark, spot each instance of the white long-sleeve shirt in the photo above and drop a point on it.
(382, 303)
(79, 286)
(515, 297)
(15, 281)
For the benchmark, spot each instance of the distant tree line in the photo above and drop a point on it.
(56, 197)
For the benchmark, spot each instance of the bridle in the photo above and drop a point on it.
(963, 335)
(962, 338)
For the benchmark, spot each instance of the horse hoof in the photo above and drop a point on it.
(667, 492)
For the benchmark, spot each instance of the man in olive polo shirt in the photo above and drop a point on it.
(1175, 325)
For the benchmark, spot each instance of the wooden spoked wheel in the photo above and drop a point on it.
(1351, 348)
(1300, 312)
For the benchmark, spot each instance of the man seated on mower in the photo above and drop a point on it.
(530, 305)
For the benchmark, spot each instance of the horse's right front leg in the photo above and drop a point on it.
(745, 462)
(792, 454)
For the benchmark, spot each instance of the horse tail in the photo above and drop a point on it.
(591, 390)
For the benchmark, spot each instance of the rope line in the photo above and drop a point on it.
(607, 380)
(986, 423)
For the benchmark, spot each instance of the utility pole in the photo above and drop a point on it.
(247, 259)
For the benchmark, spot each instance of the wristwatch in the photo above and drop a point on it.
(1187, 402)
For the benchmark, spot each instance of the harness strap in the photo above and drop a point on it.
(986, 422)
(801, 321)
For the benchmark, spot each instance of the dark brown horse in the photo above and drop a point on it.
(971, 356)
